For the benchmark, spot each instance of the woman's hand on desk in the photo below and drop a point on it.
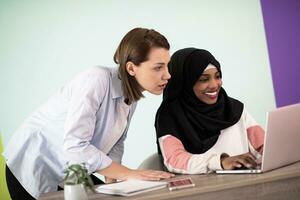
(232, 162)
(120, 172)
(149, 175)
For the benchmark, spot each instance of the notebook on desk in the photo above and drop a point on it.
(282, 139)
(130, 187)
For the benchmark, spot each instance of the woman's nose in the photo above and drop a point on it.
(167, 75)
(214, 83)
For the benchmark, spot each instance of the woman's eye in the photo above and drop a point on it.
(157, 68)
(203, 79)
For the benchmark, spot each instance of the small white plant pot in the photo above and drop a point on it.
(75, 192)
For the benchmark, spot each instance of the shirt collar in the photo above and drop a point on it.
(116, 84)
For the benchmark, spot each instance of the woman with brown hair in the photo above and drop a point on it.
(87, 120)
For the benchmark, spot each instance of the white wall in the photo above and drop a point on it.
(44, 43)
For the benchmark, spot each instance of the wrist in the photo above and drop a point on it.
(127, 174)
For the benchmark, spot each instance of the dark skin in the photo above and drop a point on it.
(208, 85)
(246, 160)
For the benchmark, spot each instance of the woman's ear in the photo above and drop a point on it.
(130, 68)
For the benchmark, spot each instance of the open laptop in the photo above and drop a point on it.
(282, 139)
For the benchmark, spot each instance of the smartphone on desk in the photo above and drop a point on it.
(180, 184)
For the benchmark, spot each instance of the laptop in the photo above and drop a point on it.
(282, 139)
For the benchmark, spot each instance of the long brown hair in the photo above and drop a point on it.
(135, 47)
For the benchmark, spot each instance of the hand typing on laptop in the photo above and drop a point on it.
(246, 160)
(281, 120)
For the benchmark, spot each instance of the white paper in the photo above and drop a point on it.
(130, 187)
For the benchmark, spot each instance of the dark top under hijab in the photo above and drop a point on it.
(181, 114)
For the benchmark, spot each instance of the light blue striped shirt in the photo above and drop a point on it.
(85, 121)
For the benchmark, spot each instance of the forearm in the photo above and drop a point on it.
(115, 171)
(178, 160)
(120, 172)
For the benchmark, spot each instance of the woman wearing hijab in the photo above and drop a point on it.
(199, 128)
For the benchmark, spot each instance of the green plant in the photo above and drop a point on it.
(78, 174)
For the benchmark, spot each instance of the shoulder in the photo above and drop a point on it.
(93, 80)
(96, 75)
(168, 114)
(248, 119)
(98, 72)
(169, 107)
(245, 114)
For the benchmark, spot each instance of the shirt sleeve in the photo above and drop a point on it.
(255, 135)
(117, 151)
(178, 160)
(86, 93)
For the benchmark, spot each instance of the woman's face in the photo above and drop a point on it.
(153, 74)
(207, 87)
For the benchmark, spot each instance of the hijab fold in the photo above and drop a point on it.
(181, 114)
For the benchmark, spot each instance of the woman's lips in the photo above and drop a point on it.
(163, 86)
(212, 95)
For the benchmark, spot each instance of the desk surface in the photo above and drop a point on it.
(282, 183)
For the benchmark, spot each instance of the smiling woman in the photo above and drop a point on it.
(208, 85)
(199, 127)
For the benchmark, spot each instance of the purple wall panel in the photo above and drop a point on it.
(282, 26)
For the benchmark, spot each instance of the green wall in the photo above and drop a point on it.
(4, 195)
